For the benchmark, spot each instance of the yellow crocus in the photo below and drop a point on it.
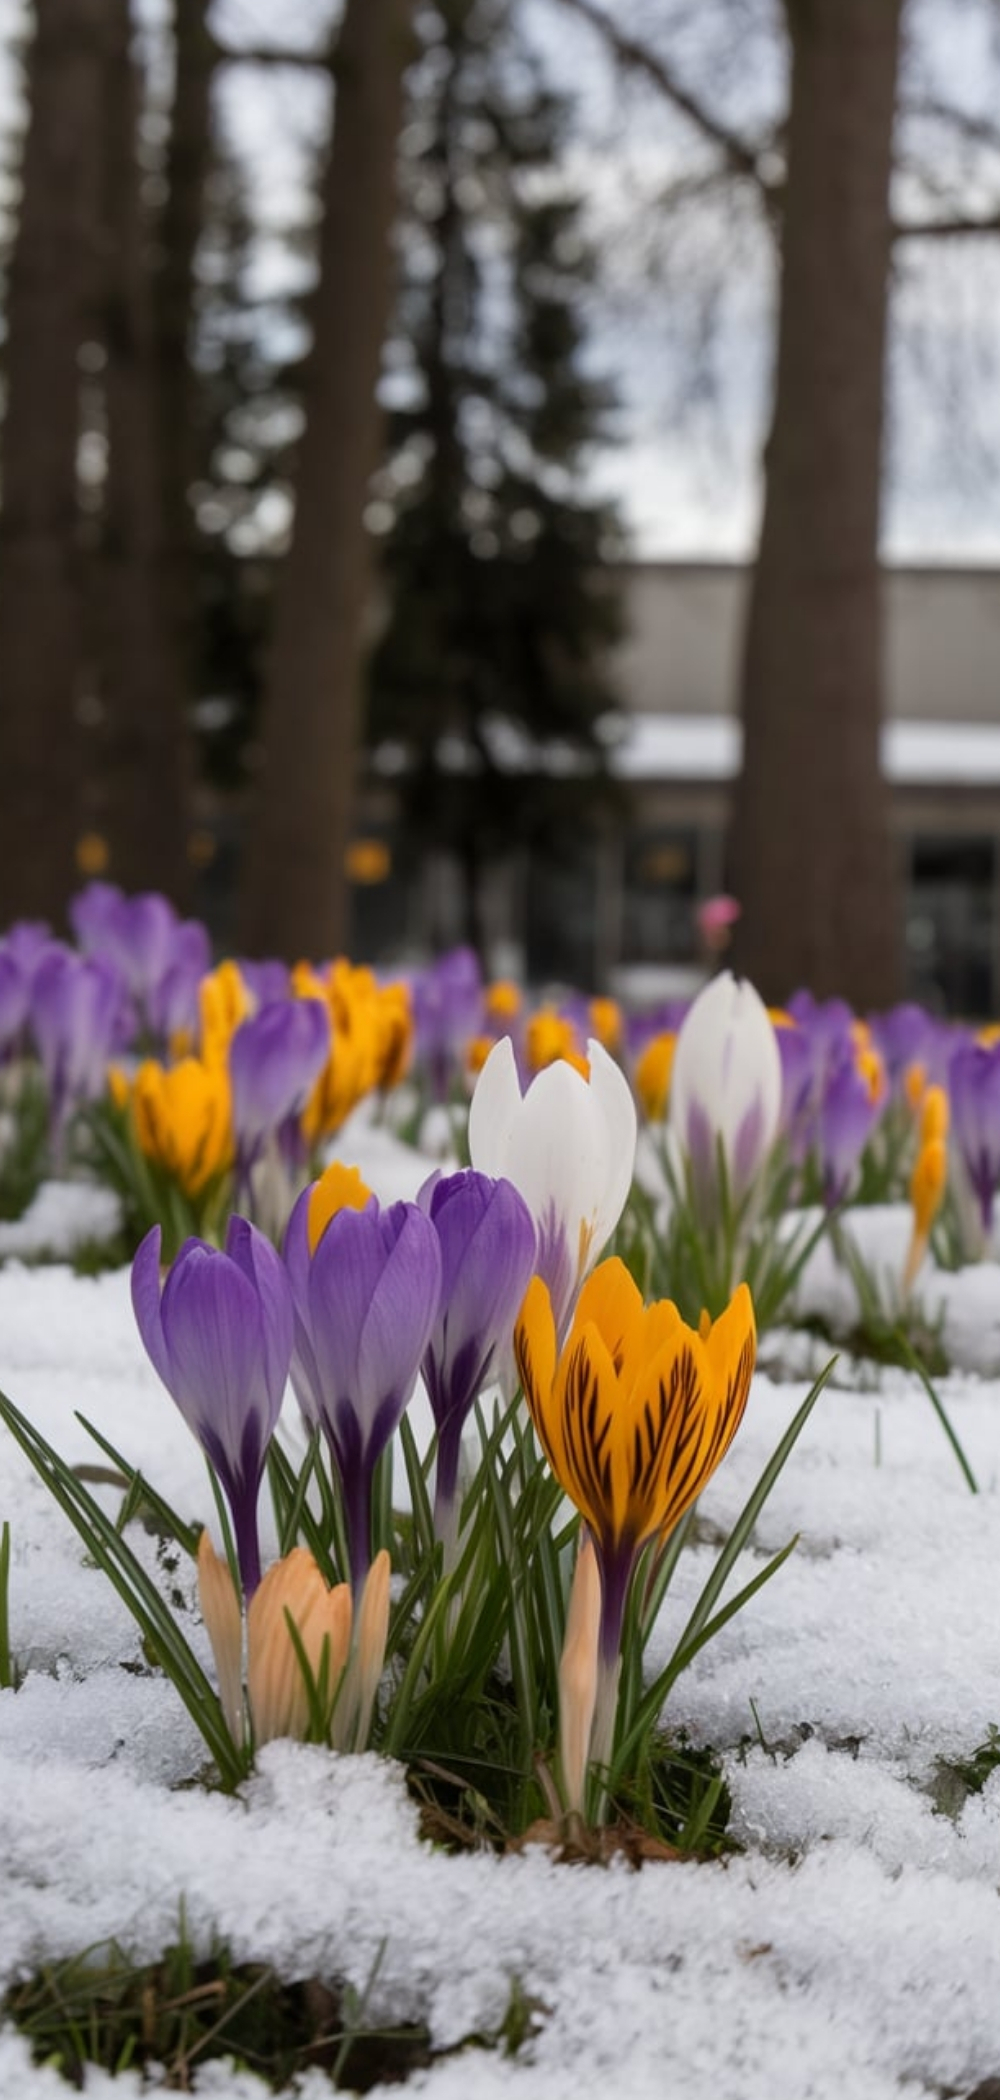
(872, 1070)
(935, 1115)
(358, 1040)
(550, 1036)
(477, 1050)
(915, 1085)
(503, 1000)
(633, 1414)
(224, 1000)
(339, 1188)
(606, 1024)
(182, 1117)
(394, 1024)
(276, 1687)
(927, 1187)
(652, 1075)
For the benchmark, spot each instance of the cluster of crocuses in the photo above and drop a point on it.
(633, 1409)
(226, 1081)
(901, 1104)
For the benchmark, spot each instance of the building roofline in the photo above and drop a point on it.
(711, 565)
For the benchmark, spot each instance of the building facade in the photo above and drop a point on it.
(623, 911)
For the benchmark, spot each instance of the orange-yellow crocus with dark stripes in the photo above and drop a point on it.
(633, 1414)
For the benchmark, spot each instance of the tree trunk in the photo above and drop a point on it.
(180, 434)
(295, 886)
(144, 753)
(812, 858)
(50, 279)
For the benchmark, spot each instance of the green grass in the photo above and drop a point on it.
(177, 2013)
(102, 2008)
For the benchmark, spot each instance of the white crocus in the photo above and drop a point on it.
(725, 1090)
(568, 1146)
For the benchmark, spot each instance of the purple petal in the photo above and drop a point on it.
(255, 1256)
(403, 1308)
(146, 1305)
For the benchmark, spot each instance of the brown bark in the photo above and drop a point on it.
(180, 437)
(812, 859)
(144, 753)
(294, 887)
(48, 288)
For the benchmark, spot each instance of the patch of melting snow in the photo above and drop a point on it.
(853, 1946)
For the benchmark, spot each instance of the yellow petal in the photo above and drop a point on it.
(588, 1433)
(279, 1700)
(934, 1115)
(927, 1184)
(612, 1301)
(339, 1188)
(652, 1076)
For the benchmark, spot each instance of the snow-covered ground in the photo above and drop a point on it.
(852, 1950)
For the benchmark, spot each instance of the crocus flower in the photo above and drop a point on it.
(76, 1005)
(487, 1243)
(220, 1338)
(848, 1113)
(366, 1286)
(276, 1685)
(974, 1087)
(799, 1083)
(182, 1120)
(927, 1187)
(142, 936)
(275, 1058)
(360, 1039)
(447, 1013)
(725, 1091)
(15, 999)
(344, 1650)
(651, 1077)
(173, 1001)
(568, 1146)
(634, 1414)
(224, 1000)
(549, 1036)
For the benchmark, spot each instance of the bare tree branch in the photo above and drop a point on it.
(317, 61)
(742, 156)
(947, 229)
(979, 131)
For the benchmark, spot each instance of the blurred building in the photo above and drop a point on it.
(624, 912)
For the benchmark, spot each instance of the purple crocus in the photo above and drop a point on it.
(366, 1300)
(974, 1087)
(798, 1089)
(447, 1013)
(275, 1059)
(848, 1112)
(76, 1007)
(172, 999)
(220, 1338)
(143, 937)
(487, 1240)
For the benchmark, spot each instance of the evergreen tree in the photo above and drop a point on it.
(489, 673)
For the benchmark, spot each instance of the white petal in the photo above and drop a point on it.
(614, 1102)
(494, 1110)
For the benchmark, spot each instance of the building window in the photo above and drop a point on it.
(660, 891)
(951, 925)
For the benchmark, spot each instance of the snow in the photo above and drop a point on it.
(852, 1946)
(671, 746)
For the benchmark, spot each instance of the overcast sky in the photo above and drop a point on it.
(690, 426)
